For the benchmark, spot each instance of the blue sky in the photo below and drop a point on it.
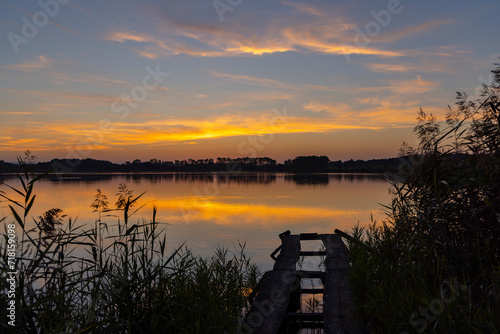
(245, 78)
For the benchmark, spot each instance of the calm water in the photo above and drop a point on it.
(210, 209)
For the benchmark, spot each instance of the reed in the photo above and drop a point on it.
(433, 265)
(116, 278)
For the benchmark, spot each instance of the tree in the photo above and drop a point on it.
(310, 162)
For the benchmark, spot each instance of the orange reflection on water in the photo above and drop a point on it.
(218, 211)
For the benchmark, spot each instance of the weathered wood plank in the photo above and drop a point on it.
(271, 303)
(312, 253)
(270, 306)
(308, 236)
(289, 254)
(310, 274)
(307, 316)
(337, 256)
(340, 315)
(312, 291)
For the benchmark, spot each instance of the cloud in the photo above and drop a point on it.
(57, 96)
(52, 69)
(303, 8)
(19, 112)
(417, 86)
(405, 32)
(323, 34)
(170, 130)
(393, 67)
(262, 82)
(405, 67)
(30, 66)
(336, 109)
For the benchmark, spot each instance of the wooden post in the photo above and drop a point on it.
(339, 311)
(270, 305)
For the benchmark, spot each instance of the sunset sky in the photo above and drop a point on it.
(124, 80)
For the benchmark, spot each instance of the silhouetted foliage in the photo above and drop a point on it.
(222, 164)
(440, 244)
(309, 163)
(49, 221)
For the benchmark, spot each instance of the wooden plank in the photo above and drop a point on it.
(340, 315)
(312, 253)
(337, 256)
(311, 325)
(308, 236)
(289, 254)
(270, 305)
(307, 316)
(311, 274)
(311, 291)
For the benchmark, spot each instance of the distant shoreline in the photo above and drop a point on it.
(301, 164)
(312, 172)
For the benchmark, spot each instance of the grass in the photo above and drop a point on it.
(116, 278)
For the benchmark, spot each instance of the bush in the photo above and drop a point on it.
(434, 263)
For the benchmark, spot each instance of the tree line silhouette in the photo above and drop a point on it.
(298, 164)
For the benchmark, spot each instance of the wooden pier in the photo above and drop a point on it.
(276, 307)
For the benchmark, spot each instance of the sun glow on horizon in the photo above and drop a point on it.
(124, 80)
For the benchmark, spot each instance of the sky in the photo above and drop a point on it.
(125, 80)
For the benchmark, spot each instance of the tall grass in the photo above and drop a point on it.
(118, 278)
(434, 264)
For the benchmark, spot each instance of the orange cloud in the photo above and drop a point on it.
(303, 8)
(262, 82)
(60, 136)
(417, 86)
(421, 66)
(333, 108)
(329, 35)
(41, 62)
(405, 32)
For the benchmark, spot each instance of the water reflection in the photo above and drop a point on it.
(308, 179)
(210, 177)
(324, 179)
(210, 209)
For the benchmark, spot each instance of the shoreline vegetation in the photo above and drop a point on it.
(299, 164)
(432, 266)
(112, 277)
